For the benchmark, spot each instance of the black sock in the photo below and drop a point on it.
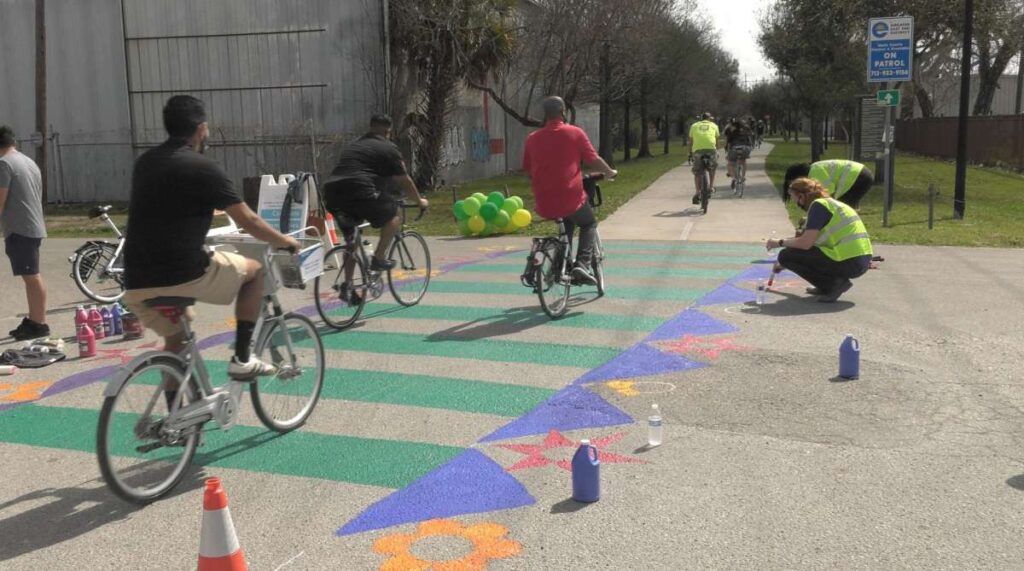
(171, 396)
(243, 338)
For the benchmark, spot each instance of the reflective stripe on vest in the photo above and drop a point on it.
(844, 236)
(837, 176)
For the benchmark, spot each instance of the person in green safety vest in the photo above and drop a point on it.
(846, 181)
(834, 247)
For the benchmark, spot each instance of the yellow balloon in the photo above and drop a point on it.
(477, 224)
(522, 218)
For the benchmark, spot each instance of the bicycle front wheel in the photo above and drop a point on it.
(741, 179)
(552, 286)
(89, 270)
(340, 303)
(284, 401)
(705, 191)
(410, 277)
(140, 459)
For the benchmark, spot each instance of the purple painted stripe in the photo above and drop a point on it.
(76, 381)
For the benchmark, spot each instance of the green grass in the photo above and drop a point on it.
(994, 200)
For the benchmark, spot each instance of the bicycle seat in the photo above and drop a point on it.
(171, 302)
(97, 211)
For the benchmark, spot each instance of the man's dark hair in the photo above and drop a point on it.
(705, 115)
(182, 115)
(380, 120)
(792, 173)
(7, 138)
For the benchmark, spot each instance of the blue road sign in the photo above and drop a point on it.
(890, 49)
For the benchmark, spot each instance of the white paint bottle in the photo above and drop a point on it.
(7, 370)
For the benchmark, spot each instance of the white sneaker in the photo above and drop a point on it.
(247, 371)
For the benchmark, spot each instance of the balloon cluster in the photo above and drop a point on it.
(480, 215)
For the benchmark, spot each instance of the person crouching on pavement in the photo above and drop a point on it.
(834, 247)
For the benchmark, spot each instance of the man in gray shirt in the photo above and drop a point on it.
(21, 218)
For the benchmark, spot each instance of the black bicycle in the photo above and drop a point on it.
(348, 282)
(549, 265)
(705, 181)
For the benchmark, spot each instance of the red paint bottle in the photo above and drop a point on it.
(96, 322)
(86, 341)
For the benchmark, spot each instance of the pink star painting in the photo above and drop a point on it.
(535, 457)
(710, 348)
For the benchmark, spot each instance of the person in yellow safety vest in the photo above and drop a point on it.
(846, 181)
(703, 141)
(834, 247)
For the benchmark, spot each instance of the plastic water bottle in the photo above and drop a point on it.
(86, 341)
(586, 473)
(108, 323)
(96, 322)
(849, 358)
(761, 289)
(116, 320)
(654, 427)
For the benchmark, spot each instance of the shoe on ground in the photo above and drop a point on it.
(29, 329)
(381, 265)
(240, 371)
(813, 290)
(582, 274)
(696, 199)
(733, 183)
(837, 291)
(349, 295)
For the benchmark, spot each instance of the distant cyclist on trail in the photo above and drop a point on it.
(552, 160)
(703, 141)
(739, 140)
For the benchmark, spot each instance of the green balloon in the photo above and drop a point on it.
(480, 196)
(459, 209)
(496, 198)
(488, 230)
(488, 211)
(502, 219)
(510, 206)
(519, 201)
(464, 227)
(471, 206)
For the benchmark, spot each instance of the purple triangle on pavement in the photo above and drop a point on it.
(469, 483)
(638, 361)
(571, 408)
(727, 293)
(690, 322)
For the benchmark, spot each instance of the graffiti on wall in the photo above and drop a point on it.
(454, 149)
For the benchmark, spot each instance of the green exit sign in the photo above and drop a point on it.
(889, 97)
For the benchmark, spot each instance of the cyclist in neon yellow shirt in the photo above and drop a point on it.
(703, 141)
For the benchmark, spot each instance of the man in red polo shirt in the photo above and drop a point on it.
(552, 160)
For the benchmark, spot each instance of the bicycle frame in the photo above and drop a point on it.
(212, 403)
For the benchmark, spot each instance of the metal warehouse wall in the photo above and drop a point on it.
(284, 80)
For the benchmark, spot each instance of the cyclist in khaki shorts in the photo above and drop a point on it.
(175, 190)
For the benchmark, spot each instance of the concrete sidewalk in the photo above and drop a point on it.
(664, 212)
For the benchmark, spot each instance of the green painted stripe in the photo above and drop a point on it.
(652, 293)
(613, 270)
(461, 395)
(387, 463)
(518, 317)
(482, 349)
(666, 258)
(682, 246)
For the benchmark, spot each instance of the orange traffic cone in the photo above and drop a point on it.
(331, 230)
(218, 545)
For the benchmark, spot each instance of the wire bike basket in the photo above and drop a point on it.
(294, 270)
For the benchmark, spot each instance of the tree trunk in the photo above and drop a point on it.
(431, 130)
(605, 136)
(815, 137)
(625, 128)
(667, 134)
(989, 74)
(645, 145)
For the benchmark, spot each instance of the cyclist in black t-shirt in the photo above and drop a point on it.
(358, 186)
(175, 190)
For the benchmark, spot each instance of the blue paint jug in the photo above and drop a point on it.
(586, 473)
(115, 319)
(849, 358)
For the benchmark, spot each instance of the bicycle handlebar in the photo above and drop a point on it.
(407, 205)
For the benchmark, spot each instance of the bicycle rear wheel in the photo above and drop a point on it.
(334, 299)
(139, 459)
(598, 264)
(284, 401)
(552, 286)
(89, 270)
(410, 277)
(741, 179)
(705, 191)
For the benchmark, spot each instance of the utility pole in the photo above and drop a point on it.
(960, 182)
(41, 91)
(1020, 82)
